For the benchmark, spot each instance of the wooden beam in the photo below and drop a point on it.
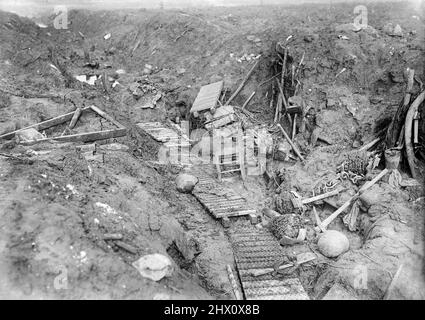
(248, 100)
(44, 125)
(321, 196)
(75, 118)
(369, 145)
(106, 116)
(243, 83)
(85, 137)
(294, 147)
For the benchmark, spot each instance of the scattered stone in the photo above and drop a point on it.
(186, 182)
(154, 266)
(333, 243)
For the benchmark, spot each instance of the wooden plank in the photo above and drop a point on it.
(236, 213)
(45, 124)
(207, 97)
(243, 82)
(85, 137)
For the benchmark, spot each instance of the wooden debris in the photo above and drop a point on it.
(84, 137)
(366, 186)
(112, 236)
(248, 100)
(270, 213)
(75, 118)
(305, 257)
(106, 116)
(318, 221)
(236, 292)
(287, 241)
(44, 125)
(262, 272)
(369, 145)
(321, 196)
(253, 218)
(207, 98)
(243, 82)
(126, 246)
(294, 147)
(294, 126)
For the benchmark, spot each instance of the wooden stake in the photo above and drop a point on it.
(369, 145)
(75, 118)
(248, 100)
(318, 221)
(294, 126)
(294, 147)
(243, 83)
(106, 116)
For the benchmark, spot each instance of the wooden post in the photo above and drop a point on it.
(294, 147)
(75, 118)
(294, 126)
(243, 83)
(248, 100)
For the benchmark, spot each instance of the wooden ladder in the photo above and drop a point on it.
(230, 153)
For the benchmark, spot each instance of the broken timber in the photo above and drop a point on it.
(44, 125)
(80, 137)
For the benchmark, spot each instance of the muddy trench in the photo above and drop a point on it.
(75, 216)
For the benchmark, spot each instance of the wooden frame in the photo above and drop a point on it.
(80, 137)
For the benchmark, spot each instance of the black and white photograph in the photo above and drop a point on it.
(228, 151)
